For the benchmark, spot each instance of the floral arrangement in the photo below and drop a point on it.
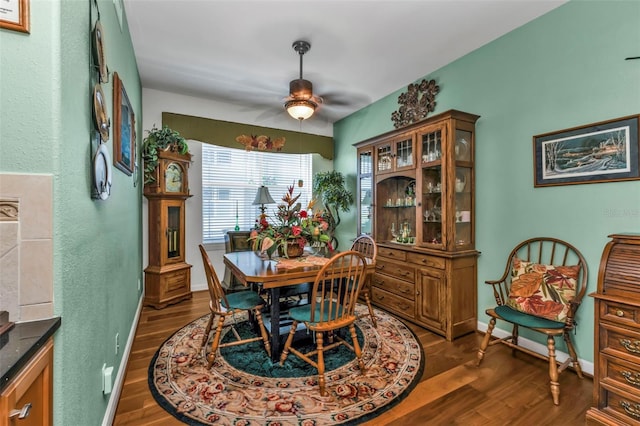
(291, 225)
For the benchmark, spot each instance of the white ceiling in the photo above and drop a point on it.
(239, 52)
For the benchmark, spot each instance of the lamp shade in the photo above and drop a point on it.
(263, 196)
(300, 109)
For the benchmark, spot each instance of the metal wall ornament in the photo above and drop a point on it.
(416, 103)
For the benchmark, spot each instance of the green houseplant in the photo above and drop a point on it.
(160, 140)
(330, 189)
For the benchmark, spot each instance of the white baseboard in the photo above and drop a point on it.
(110, 413)
(539, 348)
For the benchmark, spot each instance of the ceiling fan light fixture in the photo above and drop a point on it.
(300, 109)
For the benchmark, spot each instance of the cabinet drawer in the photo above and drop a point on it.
(176, 282)
(620, 313)
(396, 270)
(393, 303)
(622, 405)
(426, 260)
(393, 285)
(392, 253)
(620, 342)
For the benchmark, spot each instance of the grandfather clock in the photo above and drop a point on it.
(168, 276)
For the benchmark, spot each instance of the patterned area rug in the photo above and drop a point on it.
(248, 389)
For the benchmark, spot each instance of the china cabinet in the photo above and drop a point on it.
(616, 380)
(168, 276)
(422, 212)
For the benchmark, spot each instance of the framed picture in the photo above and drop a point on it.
(600, 152)
(14, 15)
(124, 130)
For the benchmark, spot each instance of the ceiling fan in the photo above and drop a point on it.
(301, 102)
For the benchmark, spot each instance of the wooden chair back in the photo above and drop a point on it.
(216, 291)
(365, 245)
(335, 291)
(546, 251)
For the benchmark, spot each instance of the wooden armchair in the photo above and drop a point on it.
(541, 289)
(365, 245)
(223, 305)
(333, 300)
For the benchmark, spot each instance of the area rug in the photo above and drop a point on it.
(245, 388)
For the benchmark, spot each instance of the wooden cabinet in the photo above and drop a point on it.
(616, 385)
(422, 211)
(168, 276)
(30, 393)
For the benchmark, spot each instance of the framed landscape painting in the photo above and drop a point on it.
(124, 135)
(600, 152)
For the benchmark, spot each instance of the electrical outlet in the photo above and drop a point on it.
(139, 285)
(117, 343)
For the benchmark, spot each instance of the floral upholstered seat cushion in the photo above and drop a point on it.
(542, 290)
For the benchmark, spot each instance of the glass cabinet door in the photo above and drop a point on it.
(433, 206)
(365, 192)
(404, 153)
(384, 158)
(463, 189)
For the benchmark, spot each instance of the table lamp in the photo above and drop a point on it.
(263, 197)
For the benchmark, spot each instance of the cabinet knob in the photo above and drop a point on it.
(633, 347)
(619, 313)
(22, 414)
(631, 409)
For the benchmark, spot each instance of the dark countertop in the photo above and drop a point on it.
(19, 344)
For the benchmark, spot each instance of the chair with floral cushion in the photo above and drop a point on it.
(223, 305)
(541, 289)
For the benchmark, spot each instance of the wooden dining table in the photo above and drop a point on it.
(250, 267)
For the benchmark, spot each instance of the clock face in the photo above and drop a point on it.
(173, 178)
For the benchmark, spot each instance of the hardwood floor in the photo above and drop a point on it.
(506, 389)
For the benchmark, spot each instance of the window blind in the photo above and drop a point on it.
(230, 181)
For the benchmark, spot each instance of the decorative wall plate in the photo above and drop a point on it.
(101, 115)
(102, 173)
(98, 53)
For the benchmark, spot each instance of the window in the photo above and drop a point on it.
(230, 180)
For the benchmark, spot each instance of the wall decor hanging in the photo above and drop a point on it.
(261, 143)
(14, 15)
(418, 101)
(606, 151)
(124, 136)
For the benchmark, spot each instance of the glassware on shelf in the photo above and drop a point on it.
(394, 232)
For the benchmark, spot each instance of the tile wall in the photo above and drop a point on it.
(26, 246)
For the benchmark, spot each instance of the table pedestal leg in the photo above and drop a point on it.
(275, 324)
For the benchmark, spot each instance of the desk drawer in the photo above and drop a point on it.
(620, 313)
(620, 374)
(620, 342)
(392, 253)
(396, 286)
(621, 405)
(393, 303)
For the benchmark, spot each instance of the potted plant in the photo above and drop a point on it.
(164, 139)
(330, 188)
(291, 229)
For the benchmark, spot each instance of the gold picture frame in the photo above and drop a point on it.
(124, 129)
(14, 15)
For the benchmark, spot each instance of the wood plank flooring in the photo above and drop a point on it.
(505, 390)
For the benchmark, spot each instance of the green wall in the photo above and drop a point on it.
(47, 127)
(562, 70)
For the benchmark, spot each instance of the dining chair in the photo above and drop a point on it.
(333, 300)
(541, 288)
(366, 245)
(224, 305)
